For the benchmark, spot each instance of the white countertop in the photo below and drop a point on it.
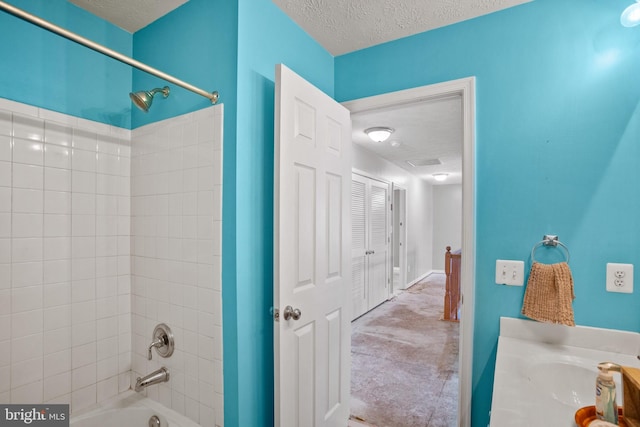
(545, 372)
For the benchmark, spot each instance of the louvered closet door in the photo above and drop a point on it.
(370, 243)
(378, 245)
(359, 228)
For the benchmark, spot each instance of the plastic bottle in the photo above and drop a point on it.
(606, 406)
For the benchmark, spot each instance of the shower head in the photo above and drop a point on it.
(143, 99)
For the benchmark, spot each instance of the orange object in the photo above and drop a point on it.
(584, 416)
(452, 265)
(631, 394)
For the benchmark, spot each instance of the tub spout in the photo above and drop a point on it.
(156, 377)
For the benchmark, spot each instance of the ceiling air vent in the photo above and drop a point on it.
(424, 162)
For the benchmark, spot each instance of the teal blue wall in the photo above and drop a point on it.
(233, 48)
(201, 43)
(557, 147)
(266, 36)
(45, 70)
(196, 43)
(558, 125)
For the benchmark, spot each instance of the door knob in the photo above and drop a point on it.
(291, 313)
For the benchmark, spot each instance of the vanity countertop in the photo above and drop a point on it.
(545, 372)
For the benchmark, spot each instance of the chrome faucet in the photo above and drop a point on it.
(156, 377)
(157, 343)
(162, 341)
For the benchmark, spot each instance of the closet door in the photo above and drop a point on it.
(359, 227)
(370, 243)
(378, 243)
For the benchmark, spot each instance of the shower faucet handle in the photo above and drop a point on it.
(157, 344)
(162, 340)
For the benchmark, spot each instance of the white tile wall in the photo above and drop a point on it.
(176, 188)
(68, 203)
(65, 312)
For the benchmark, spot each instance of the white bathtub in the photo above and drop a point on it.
(129, 409)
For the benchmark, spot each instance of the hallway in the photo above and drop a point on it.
(405, 361)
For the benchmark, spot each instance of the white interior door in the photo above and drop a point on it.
(312, 265)
(359, 241)
(379, 243)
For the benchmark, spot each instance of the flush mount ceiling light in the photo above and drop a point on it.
(440, 176)
(379, 134)
(631, 15)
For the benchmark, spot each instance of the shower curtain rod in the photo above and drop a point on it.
(213, 96)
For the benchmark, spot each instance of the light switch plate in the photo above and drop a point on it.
(509, 272)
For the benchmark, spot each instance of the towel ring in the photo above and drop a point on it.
(549, 240)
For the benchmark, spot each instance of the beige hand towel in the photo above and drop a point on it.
(549, 294)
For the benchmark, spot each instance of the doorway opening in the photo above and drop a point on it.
(404, 361)
(398, 238)
(465, 89)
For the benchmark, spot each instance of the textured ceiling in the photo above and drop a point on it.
(340, 26)
(130, 15)
(425, 131)
(343, 26)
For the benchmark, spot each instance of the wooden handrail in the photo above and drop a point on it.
(452, 262)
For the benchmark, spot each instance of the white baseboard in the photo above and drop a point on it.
(417, 279)
(421, 277)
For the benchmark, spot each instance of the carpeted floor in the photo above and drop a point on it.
(405, 361)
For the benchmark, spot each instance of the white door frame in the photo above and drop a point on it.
(466, 89)
(401, 212)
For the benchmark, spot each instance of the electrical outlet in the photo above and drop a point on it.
(509, 272)
(619, 277)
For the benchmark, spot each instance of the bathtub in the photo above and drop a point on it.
(129, 409)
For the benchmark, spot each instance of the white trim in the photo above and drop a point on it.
(468, 249)
(402, 250)
(422, 277)
(416, 280)
(370, 176)
(466, 89)
(399, 186)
